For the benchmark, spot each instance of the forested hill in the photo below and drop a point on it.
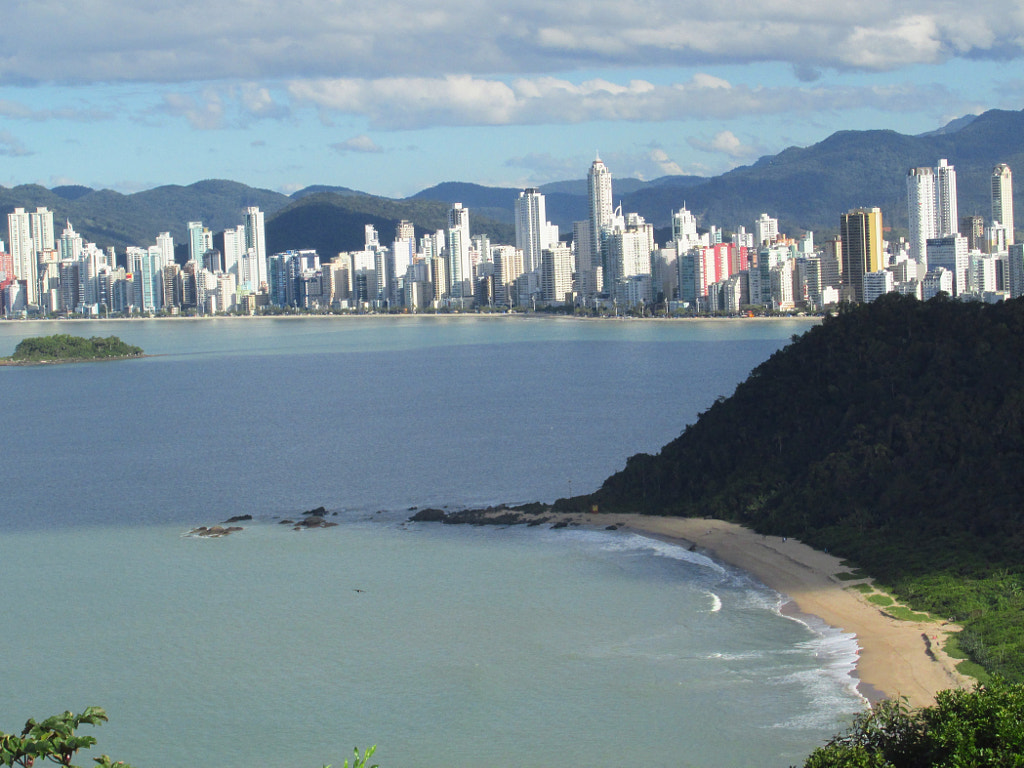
(894, 424)
(891, 434)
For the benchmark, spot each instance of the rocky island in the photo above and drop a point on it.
(64, 348)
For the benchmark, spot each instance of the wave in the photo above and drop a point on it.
(716, 603)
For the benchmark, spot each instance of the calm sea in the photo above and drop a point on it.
(443, 645)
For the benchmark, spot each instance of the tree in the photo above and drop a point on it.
(964, 729)
(54, 740)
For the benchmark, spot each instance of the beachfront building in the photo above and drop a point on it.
(601, 214)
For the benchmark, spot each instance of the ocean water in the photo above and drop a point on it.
(444, 645)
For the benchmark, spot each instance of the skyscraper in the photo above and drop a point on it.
(947, 221)
(950, 253)
(530, 219)
(234, 249)
(766, 230)
(200, 240)
(1002, 199)
(599, 193)
(23, 251)
(921, 210)
(860, 231)
(41, 226)
(457, 244)
(256, 247)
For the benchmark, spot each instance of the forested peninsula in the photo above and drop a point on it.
(892, 435)
(64, 348)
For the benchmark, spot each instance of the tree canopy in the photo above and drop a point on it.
(64, 347)
(893, 435)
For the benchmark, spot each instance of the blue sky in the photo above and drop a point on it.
(394, 96)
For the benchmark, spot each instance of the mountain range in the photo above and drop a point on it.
(805, 188)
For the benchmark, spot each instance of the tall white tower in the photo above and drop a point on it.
(599, 192)
(19, 240)
(921, 211)
(1002, 199)
(256, 246)
(41, 225)
(457, 242)
(531, 217)
(945, 199)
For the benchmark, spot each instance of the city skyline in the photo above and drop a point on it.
(399, 97)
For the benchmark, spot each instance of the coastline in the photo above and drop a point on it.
(897, 658)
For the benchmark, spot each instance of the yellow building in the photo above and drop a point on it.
(861, 233)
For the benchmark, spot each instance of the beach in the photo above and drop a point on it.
(897, 658)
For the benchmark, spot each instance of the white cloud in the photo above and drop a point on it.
(11, 146)
(218, 40)
(410, 103)
(204, 112)
(257, 101)
(666, 165)
(726, 143)
(360, 143)
(18, 111)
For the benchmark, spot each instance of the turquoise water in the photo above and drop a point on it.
(466, 647)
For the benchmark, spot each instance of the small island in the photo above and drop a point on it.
(64, 348)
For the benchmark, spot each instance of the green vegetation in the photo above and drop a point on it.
(891, 435)
(983, 727)
(64, 348)
(55, 740)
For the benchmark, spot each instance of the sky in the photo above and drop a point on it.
(394, 96)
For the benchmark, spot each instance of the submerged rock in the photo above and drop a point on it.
(238, 519)
(214, 531)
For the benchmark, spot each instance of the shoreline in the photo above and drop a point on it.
(897, 658)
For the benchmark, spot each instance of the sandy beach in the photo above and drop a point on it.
(897, 658)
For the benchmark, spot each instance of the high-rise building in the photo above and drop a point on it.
(457, 244)
(684, 230)
(234, 250)
(766, 229)
(23, 251)
(41, 226)
(556, 273)
(860, 231)
(947, 220)
(165, 244)
(973, 228)
(1002, 199)
(200, 240)
(70, 244)
(599, 195)
(1015, 270)
(921, 210)
(531, 218)
(950, 253)
(256, 247)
